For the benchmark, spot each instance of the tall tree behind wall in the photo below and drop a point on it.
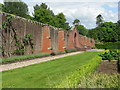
(81, 28)
(44, 15)
(18, 8)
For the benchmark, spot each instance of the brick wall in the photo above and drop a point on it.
(45, 38)
(61, 40)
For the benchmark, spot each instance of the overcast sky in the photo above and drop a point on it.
(84, 10)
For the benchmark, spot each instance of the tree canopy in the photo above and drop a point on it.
(18, 8)
(105, 32)
(43, 14)
(76, 22)
(1, 7)
(82, 30)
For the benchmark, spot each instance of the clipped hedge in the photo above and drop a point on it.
(108, 45)
(19, 58)
(70, 50)
(73, 80)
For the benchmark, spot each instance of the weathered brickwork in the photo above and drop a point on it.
(45, 38)
(61, 40)
(46, 41)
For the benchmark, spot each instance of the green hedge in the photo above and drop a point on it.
(72, 80)
(108, 45)
(19, 58)
(70, 50)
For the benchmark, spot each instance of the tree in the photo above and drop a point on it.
(99, 19)
(44, 15)
(105, 32)
(18, 8)
(61, 21)
(82, 30)
(118, 29)
(76, 22)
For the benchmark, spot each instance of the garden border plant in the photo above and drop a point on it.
(25, 57)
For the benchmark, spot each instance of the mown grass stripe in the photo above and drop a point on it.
(46, 74)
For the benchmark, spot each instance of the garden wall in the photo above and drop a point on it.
(22, 37)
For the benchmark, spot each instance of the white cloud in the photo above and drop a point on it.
(1, 1)
(75, 0)
(85, 11)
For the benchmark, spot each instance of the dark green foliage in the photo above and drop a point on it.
(18, 8)
(1, 7)
(61, 52)
(20, 58)
(104, 32)
(108, 45)
(70, 50)
(118, 30)
(44, 15)
(76, 22)
(110, 55)
(61, 21)
(82, 30)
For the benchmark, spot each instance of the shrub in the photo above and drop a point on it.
(61, 52)
(93, 47)
(70, 50)
(110, 55)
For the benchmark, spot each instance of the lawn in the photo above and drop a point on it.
(47, 74)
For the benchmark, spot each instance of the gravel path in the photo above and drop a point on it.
(33, 61)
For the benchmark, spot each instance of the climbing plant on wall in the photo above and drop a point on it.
(11, 32)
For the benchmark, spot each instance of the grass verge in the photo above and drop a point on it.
(46, 74)
(19, 58)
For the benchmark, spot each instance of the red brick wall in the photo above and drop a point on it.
(70, 41)
(46, 41)
(61, 40)
(44, 37)
(76, 38)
